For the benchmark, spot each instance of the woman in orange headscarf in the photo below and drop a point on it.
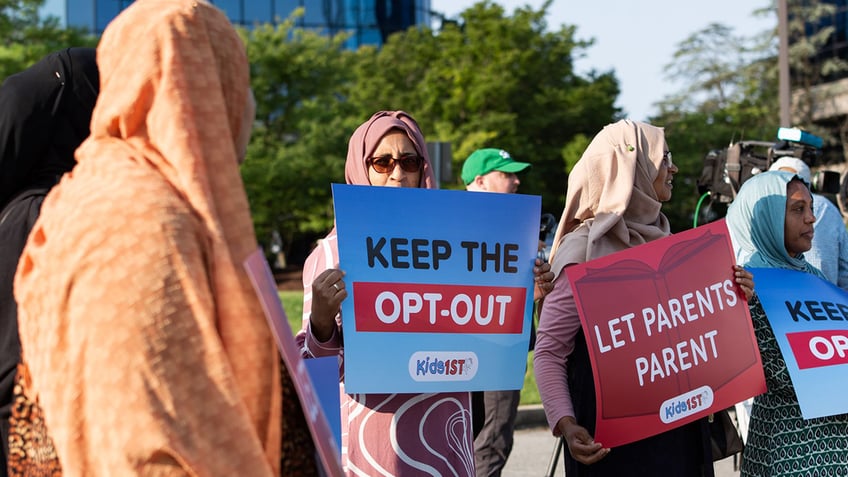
(146, 346)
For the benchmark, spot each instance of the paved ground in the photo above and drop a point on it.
(534, 446)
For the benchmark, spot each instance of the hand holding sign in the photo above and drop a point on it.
(677, 342)
(441, 296)
(328, 292)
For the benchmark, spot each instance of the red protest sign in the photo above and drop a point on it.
(263, 282)
(668, 332)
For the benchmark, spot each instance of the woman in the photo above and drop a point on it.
(773, 216)
(386, 434)
(44, 116)
(615, 193)
(145, 342)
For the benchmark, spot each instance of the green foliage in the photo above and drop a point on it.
(300, 79)
(492, 81)
(808, 35)
(25, 38)
(530, 392)
(495, 80)
(730, 95)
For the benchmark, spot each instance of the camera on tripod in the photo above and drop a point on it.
(725, 170)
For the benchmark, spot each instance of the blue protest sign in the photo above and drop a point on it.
(809, 317)
(440, 287)
(324, 373)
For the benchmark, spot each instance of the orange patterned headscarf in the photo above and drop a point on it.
(201, 388)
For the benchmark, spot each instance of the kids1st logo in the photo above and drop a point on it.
(686, 404)
(430, 366)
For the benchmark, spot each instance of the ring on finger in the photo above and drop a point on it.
(336, 286)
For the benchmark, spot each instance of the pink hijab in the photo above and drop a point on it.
(362, 145)
(611, 204)
(367, 136)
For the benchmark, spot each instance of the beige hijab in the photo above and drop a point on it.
(611, 204)
(156, 198)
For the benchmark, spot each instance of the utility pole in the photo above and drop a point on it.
(783, 64)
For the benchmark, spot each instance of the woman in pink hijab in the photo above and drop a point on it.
(384, 434)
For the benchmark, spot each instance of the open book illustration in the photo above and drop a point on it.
(661, 320)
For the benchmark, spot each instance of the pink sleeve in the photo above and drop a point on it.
(316, 263)
(558, 327)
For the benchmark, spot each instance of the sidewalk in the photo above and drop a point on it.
(530, 415)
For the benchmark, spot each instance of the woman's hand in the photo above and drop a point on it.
(745, 281)
(544, 279)
(581, 445)
(328, 292)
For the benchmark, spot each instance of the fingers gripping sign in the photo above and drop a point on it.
(328, 292)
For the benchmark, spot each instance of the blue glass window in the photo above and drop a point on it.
(106, 10)
(232, 8)
(80, 13)
(257, 11)
(284, 8)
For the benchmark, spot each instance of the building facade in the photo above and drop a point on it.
(369, 22)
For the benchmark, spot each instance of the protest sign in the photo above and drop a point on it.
(668, 332)
(809, 317)
(325, 442)
(440, 288)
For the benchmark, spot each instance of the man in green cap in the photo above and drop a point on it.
(492, 170)
(493, 412)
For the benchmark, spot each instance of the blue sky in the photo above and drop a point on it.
(636, 38)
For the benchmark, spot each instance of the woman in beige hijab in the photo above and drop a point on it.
(145, 344)
(615, 193)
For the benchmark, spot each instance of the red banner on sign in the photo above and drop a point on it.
(815, 349)
(423, 308)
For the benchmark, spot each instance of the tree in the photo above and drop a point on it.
(731, 95)
(732, 90)
(493, 80)
(25, 37)
(815, 106)
(300, 79)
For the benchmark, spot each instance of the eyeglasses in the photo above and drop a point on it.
(386, 164)
(667, 158)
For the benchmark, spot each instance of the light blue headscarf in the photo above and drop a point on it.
(756, 223)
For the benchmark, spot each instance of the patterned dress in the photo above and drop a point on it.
(780, 441)
(397, 435)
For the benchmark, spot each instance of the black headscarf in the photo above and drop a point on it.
(45, 113)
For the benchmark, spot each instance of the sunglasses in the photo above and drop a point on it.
(386, 164)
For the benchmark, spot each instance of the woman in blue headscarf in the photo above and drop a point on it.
(772, 220)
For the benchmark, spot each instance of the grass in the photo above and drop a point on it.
(293, 304)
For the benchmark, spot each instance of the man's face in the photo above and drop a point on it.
(497, 181)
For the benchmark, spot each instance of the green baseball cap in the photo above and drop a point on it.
(484, 161)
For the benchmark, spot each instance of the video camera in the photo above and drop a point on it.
(725, 170)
